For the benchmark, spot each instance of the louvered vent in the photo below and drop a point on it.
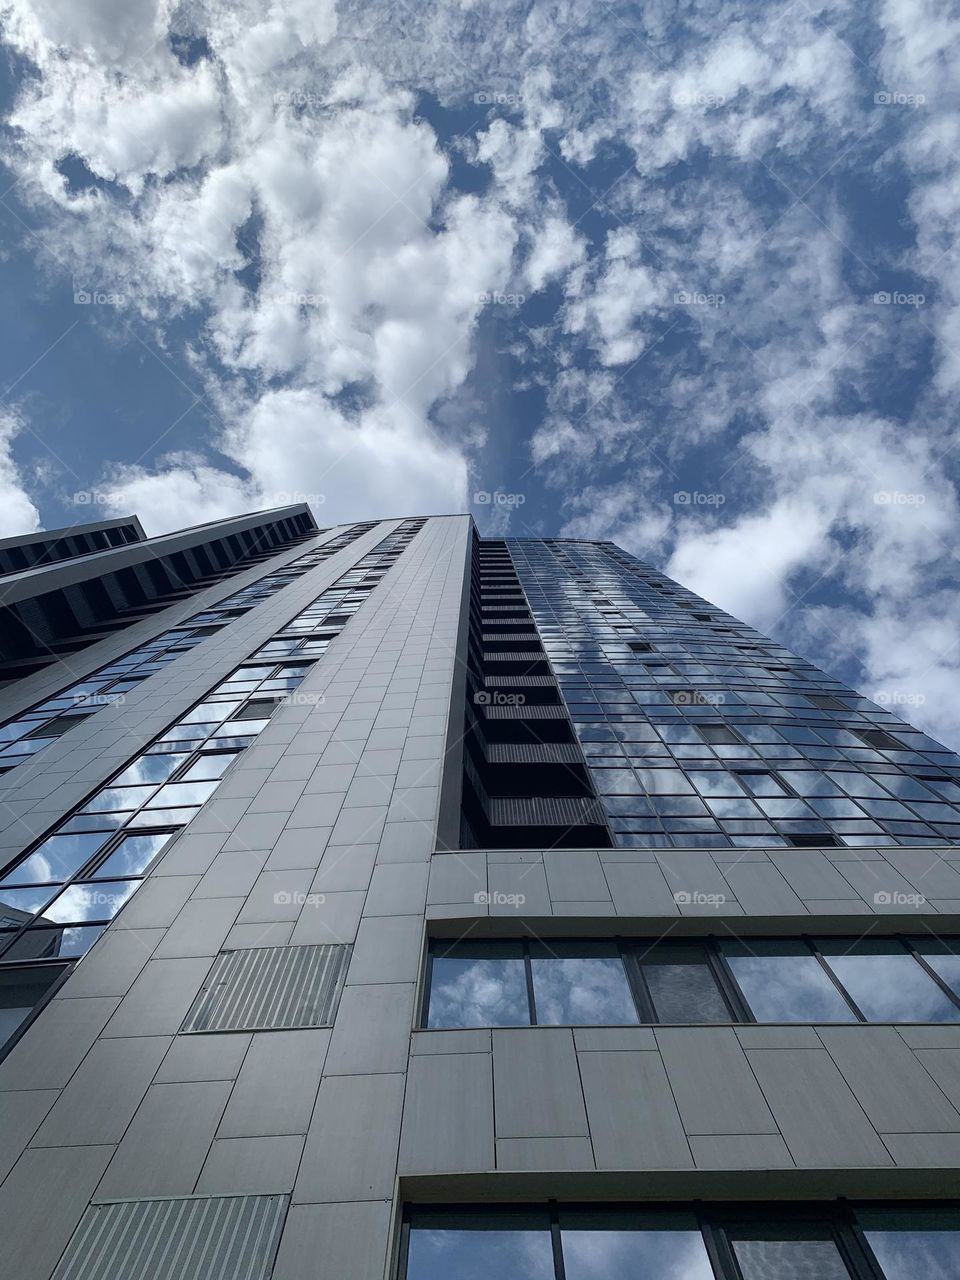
(209, 1238)
(534, 753)
(545, 811)
(270, 988)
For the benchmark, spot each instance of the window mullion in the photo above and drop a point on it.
(834, 979)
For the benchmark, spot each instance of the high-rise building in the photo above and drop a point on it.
(388, 903)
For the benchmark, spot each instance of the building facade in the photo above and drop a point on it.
(410, 904)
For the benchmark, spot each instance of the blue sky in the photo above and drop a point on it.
(683, 277)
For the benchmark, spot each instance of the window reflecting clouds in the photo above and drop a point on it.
(482, 988)
(887, 983)
(592, 989)
(783, 982)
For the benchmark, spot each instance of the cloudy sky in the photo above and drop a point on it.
(680, 275)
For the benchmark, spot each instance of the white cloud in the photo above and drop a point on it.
(18, 514)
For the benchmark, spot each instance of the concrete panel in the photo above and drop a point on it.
(448, 1114)
(888, 1081)
(762, 891)
(388, 949)
(159, 999)
(105, 1091)
(820, 1119)
(210, 1057)
(372, 1031)
(251, 1166)
(42, 1201)
(530, 1155)
(733, 1151)
(20, 1115)
(164, 1148)
(633, 1118)
(200, 928)
(359, 1115)
(351, 1240)
(712, 1081)
(113, 965)
(277, 1085)
(639, 889)
(52, 1049)
(537, 1084)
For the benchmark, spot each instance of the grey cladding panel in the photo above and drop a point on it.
(213, 1238)
(265, 988)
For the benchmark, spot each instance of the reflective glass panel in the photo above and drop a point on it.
(922, 1244)
(581, 990)
(635, 1255)
(887, 983)
(480, 1254)
(682, 986)
(790, 1260)
(479, 989)
(784, 982)
(58, 858)
(132, 856)
(99, 901)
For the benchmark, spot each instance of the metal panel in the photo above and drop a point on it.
(214, 1238)
(266, 988)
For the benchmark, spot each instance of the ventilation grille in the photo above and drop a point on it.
(520, 682)
(528, 711)
(533, 753)
(270, 988)
(215, 1238)
(545, 811)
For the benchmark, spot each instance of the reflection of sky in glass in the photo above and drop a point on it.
(893, 988)
(62, 943)
(20, 903)
(182, 793)
(786, 988)
(56, 859)
(148, 769)
(635, 1255)
(790, 1260)
(947, 966)
(478, 993)
(90, 901)
(480, 1255)
(585, 991)
(116, 798)
(685, 993)
(132, 856)
(917, 1255)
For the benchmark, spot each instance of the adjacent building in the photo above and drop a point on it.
(384, 901)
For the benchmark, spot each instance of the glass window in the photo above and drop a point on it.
(18, 905)
(82, 902)
(886, 982)
(492, 1248)
(682, 985)
(580, 990)
(114, 799)
(21, 990)
(42, 943)
(943, 958)
(177, 793)
(132, 856)
(910, 1244)
(56, 859)
(479, 986)
(790, 1259)
(149, 768)
(784, 982)
(667, 1252)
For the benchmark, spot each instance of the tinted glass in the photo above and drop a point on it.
(584, 991)
(90, 901)
(683, 988)
(783, 982)
(790, 1260)
(635, 1255)
(479, 1255)
(56, 859)
(911, 1245)
(20, 990)
(478, 991)
(132, 856)
(887, 983)
(943, 960)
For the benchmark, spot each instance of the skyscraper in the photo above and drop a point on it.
(410, 904)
